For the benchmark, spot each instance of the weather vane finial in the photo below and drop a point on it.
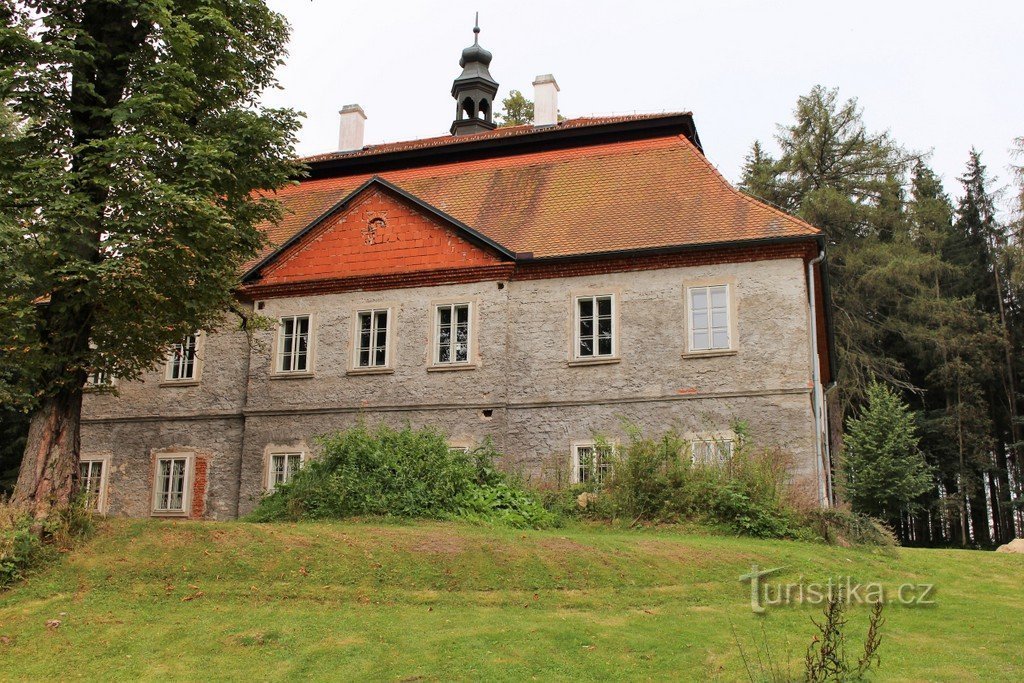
(476, 30)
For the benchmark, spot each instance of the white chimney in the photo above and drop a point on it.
(353, 119)
(545, 101)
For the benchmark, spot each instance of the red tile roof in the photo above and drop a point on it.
(630, 194)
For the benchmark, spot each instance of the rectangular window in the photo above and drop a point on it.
(293, 344)
(451, 334)
(372, 339)
(283, 467)
(711, 451)
(98, 378)
(182, 365)
(91, 484)
(595, 326)
(171, 488)
(592, 462)
(709, 318)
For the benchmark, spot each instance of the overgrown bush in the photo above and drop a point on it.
(23, 547)
(656, 480)
(402, 473)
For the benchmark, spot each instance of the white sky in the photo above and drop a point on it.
(941, 76)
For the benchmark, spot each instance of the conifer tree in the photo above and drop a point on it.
(885, 470)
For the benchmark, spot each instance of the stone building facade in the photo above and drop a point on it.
(540, 286)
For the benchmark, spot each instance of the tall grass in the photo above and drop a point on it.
(25, 547)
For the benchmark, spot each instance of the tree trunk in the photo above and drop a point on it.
(49, 469)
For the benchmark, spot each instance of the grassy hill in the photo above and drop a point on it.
(434, 601)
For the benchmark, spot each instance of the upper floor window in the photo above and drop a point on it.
(711, 450)
(372, 332)
(595, 326)
(592, 462)
(183, 365)
(709, 318)
(293, 344)
(99, 378)
(451, 334)
(282, 467)
(170, 490)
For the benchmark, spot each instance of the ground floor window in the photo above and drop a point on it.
(592, 462)
(712, 451)
(172, 479)
(92, 483)
(283, 467)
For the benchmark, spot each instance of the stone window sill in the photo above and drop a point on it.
(607, 360)
(291, 375)
(179, 383)
(371, 371)
(718, 353)
(452, 367)
(169, 514)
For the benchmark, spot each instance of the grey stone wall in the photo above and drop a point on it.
(539, 401)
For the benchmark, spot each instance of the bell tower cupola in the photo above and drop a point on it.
(474, 90)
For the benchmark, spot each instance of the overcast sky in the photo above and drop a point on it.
(941, 76)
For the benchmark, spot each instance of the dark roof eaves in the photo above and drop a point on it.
(534, 140)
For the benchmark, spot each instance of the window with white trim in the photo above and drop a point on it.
(595, 326)
(170, 490)
(712, 451)
(293, 344)
(92, 482)
(458, 448)
(183, 362)
(372, 332)
(99, 378)
(709, 318)
(451, 334)
(592, 462)
(282, 467)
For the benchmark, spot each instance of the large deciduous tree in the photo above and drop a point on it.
(129, 194)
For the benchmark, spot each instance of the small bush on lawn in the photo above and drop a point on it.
(23, 548)
(403, 473)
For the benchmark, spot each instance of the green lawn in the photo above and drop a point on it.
(437, 601)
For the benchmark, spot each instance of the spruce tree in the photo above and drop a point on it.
(885, 472)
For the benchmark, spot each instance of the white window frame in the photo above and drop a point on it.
(435, 334)
(269, 482)
(186, 498)
(596, 478)
(197, 361)
(100, 505)
(730, 312)
(100, 379)
(594, 296)
(389, 332)
(279, 366)
(702, 441)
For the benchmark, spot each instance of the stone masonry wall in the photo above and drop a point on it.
(523, 390)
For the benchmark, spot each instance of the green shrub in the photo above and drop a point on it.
(23, 548)
(843, 527)
(402, 473)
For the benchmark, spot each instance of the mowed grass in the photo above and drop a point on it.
(442, 601)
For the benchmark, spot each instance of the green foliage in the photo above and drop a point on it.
(134, 163)
(403, 473)
(24, 547)
(516, 110)
(656, 480)
(843, 527)
(885, 470)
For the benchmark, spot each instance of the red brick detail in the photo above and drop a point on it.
(199, 481)
(377, 234)
(531, 270)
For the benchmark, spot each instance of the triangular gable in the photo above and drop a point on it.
(378, 229)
